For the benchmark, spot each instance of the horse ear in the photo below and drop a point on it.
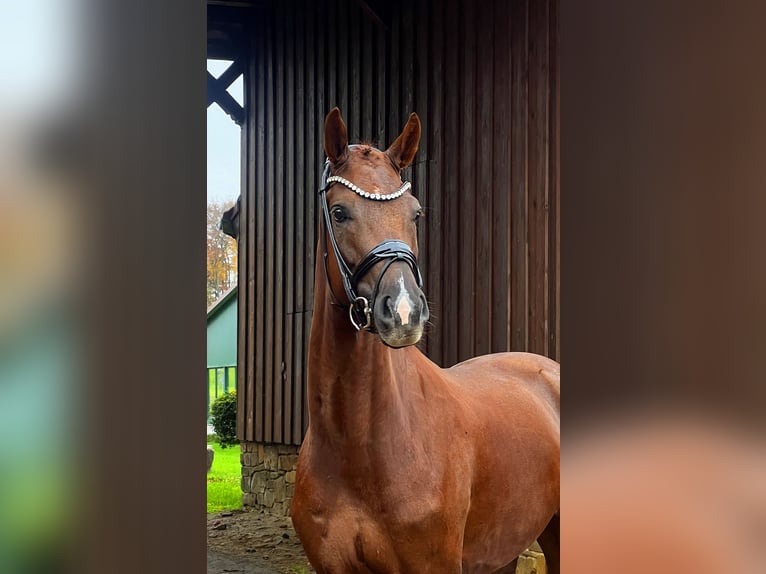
(335, 136)
(403, 150)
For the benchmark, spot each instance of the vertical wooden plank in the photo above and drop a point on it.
(243, 270)
(353, 49)
(268, 192)
(485, 185)
(451, 177)
(420, 171)
(340, 65)
(278, 193)
(295, 379)
(538, 177)
(519, 119)
(259, 239)
(290, 227)
(366, 91)
(393, 113)
(554, 260)
(435, 201)
(465, 196)
(331, 60)
(381, 79)
(407, 62)
(501, 177)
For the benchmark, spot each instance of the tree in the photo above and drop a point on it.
(221, 254)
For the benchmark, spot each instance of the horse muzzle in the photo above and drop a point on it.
(400, 312)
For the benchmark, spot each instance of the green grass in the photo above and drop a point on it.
(223, 481)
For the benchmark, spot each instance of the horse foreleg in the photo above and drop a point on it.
(549, 542)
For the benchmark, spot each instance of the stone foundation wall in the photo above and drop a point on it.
(268, 476)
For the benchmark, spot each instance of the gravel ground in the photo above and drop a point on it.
(218, 563)
(253, 543)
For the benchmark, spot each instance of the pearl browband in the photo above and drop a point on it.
(376, 196)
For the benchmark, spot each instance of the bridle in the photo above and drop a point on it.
(391, 250)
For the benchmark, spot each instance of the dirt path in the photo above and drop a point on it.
(218, 563)
(253, 543)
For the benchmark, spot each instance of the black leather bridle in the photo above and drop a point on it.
(391, 250)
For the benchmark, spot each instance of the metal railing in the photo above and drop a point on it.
(220, 380)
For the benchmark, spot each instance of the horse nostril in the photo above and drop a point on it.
(384, 313)
(424, 312)
(388, 307)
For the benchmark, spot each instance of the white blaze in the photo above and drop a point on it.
(403, 303)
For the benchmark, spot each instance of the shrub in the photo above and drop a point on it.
(223, 417)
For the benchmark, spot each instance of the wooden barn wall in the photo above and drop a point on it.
(485, 85)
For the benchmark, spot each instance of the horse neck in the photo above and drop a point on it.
(355, 381)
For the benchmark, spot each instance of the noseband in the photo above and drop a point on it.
(392, 250)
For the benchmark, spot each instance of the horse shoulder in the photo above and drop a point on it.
(511, 377)
(514, 400)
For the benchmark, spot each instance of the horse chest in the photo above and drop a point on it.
(353, 539)
(357, 526)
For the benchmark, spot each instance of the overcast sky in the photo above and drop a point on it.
(223, 166)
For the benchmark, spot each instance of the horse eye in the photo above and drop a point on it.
(418, 215)
(339, 214)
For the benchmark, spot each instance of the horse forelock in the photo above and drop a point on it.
(363, 154)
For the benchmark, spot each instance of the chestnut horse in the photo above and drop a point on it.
(408, 467)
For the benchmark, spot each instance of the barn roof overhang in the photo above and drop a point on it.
(226, 24)
(227, 29)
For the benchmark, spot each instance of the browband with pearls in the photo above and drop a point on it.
(376, 196)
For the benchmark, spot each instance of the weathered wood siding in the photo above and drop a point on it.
(484, 80)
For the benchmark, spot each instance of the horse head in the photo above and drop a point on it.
(371, 222)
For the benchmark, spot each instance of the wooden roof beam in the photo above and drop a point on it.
(233, 72)
(217, 94)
